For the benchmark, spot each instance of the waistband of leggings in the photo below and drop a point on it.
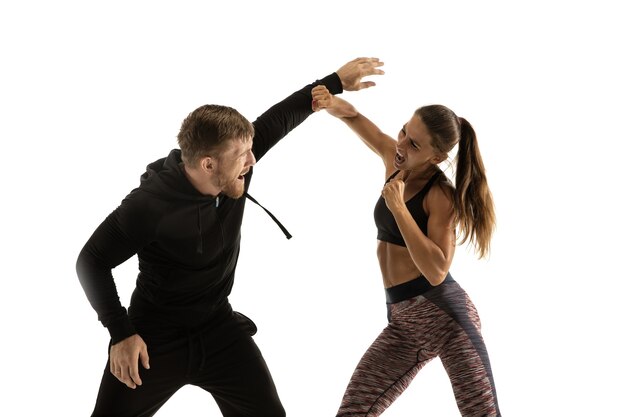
(410, 289)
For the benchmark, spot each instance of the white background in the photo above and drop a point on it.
(90, 92)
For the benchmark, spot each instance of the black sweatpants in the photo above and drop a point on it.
(235, 374)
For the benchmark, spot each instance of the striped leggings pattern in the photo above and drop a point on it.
(442, 322)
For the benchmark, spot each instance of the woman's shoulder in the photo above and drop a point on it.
(441, 193)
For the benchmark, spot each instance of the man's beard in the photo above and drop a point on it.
(233, 189)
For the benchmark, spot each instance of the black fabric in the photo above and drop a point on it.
(388, 230)
(187, 243)
(233, 372)
(410, 289)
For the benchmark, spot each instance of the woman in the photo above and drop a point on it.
(429, 314)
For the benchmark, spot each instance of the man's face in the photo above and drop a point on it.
(232, 164)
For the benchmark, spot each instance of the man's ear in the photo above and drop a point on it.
(207, 164)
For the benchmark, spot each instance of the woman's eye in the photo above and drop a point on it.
(413, 144)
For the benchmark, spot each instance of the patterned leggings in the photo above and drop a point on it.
(441, 322)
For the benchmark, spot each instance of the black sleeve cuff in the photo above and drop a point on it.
(333, 83)
(120, 330)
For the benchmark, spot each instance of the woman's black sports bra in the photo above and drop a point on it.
(388, 230)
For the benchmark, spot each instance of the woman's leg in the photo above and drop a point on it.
(464, 355)
(387, 367)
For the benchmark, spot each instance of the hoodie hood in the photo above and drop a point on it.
(166, 178)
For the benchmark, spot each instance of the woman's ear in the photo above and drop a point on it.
(439, 158)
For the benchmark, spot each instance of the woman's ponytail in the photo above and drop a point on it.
(473, 201)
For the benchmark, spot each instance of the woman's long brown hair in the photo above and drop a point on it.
(473, 202)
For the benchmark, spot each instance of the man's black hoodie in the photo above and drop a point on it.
(187, 243)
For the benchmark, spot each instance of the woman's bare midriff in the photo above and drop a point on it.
(396, 264)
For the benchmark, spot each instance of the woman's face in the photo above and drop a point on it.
(414, 150)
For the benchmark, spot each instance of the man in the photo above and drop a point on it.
(184, 223)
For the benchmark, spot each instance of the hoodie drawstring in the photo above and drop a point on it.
(287, 234)
(199, 246)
